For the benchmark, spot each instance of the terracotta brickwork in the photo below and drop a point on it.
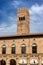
(18, 55)
(28, 58)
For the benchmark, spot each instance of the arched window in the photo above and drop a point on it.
(34, 48)
(13, 50)
(22, 18)
(3, 62)
(3, 49)
(23, 49)
(12, 62)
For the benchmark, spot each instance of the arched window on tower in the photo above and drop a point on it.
(23, 49)
(22, 18)
(3, 49)
(13, 50)
(34, 48)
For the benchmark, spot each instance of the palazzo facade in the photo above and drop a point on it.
(22, 48)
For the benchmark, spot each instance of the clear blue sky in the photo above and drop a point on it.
(8, 12)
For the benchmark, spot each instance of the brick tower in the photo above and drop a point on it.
(23, 21)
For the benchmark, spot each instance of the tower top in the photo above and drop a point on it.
(23, 11)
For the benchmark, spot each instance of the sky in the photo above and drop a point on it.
(8, 15)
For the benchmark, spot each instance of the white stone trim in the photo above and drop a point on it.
(33, 61)
(22, 61)
(42, 62)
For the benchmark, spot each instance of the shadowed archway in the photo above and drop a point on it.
(12, 62)
(2, 62)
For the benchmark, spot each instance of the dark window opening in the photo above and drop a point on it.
(13, 50)
(3, 50)
(21, 18)
(34, 49)
(23, 50)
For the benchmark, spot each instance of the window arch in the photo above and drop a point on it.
(23, 48)
(34, 48)
(13, 50)
(4, 49)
